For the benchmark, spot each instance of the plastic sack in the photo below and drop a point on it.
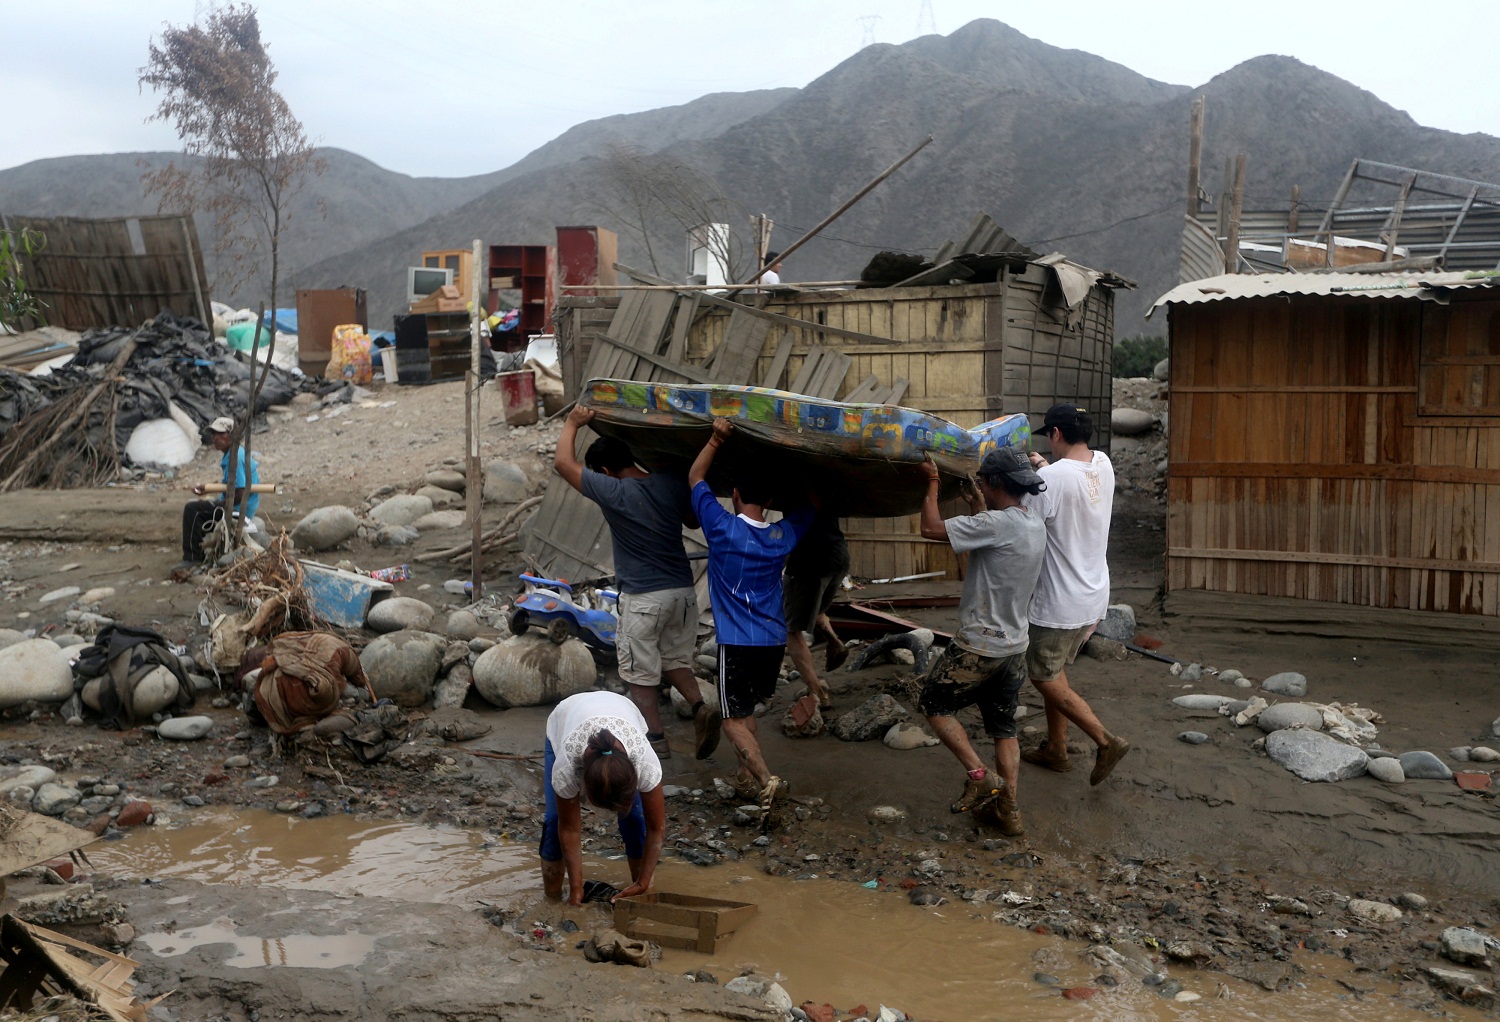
(350, 358)
(160, 443)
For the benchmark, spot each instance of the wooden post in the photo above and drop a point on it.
(1294, 212)
(474, 483)
(1195, 158)
(1232, 243)
(1396, 214)
(1226, 199)
(1325, 229)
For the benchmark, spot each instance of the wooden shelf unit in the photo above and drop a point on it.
(532, 270)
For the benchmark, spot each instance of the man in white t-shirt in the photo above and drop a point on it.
(1072, 595)
(772, 273)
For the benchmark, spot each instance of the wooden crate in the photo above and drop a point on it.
(681, 920)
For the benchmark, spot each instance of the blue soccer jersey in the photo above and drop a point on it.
(744, 570)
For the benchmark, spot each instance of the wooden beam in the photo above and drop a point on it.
(772, 377)
(1195, 157)
(1322, 557)
(687, 372)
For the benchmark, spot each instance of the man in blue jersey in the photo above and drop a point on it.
(199, 516)
(746, 555)
(658, 608)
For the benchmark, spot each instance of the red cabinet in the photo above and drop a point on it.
(530, 269)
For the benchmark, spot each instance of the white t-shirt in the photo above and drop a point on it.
(769, 277)
(577, 719)
(1005, 555)
(1073, 591)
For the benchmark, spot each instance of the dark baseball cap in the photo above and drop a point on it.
(1065, 415)
(1013, 464)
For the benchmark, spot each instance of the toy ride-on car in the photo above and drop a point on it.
(586, 611)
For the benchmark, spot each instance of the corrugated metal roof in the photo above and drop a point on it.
(1427, 286)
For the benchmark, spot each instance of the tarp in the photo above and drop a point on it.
(863, 460)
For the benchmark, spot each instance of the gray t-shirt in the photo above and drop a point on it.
(645, 519)
(1005, 551)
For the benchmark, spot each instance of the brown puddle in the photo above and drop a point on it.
(301, 950)
(826, 941)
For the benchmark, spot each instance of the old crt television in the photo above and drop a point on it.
(421, 281)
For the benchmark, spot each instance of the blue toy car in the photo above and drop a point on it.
(587, 612)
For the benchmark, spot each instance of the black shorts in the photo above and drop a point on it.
(747, 675)
(804, 597)
(960, 678)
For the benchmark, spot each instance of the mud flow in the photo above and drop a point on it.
(828, 941)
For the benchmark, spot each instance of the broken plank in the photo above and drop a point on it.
(687, 308)
(690, 373)
(898, 391)
(772, 378)
(743, 339)
(837, 372)
(864, 390)
(809, 367)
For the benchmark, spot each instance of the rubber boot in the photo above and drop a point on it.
(553, 874)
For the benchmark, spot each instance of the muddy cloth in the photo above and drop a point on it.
(175, 360)
(376, 731)
(614, 946)
(302, 678)
(122, 656)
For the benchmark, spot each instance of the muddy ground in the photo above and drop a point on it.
(1185, 843)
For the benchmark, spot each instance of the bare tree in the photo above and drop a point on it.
(249, 155)
(656, 199)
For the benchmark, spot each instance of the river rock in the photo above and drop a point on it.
(1287, 683)
(886, 814)
(397, 612)
(325, 528)
(153, 693)
(1495, 727)
(1162, 372)
(446, 478)
(529, 670)
(441, 499)
(1424, 766)
(65, 593)
(403, 666)
(1118, 623)
(1313, 756)
(135, 813)
(906, 735)
(1192, 672)
(402, 509)
(463, 626)
(67, 640)
(55, 799)
(763, 989)
(1130, 421)
(1230, 676)
(396, 535)
(1465, 946)
(97, 595)
(453, 688)
(9, 637)
(1285, 715)
(1484, 754)
(707, 689)
(505, 483)
(1373, 911)
(870, 720)
(32, 777)
(1387, 769)
(440, 520)
(1193, 737)
(185, 729)
(34, 669)
(1200, 701)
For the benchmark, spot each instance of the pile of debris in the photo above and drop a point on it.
(74, 426)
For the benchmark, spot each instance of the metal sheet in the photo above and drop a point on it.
(1425, 286)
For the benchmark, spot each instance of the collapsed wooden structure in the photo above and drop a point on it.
(1336, 437)
(1042, 331)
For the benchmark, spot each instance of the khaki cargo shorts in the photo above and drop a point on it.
(657, 633)
(1053, 649)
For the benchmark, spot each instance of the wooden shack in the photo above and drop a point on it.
(1041, 332)
(1336, 437)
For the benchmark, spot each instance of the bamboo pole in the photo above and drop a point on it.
(474, 485)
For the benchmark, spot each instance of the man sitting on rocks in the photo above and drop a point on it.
(985, 664)
(199, 516)
(658, 607)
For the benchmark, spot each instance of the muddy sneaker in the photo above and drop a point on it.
(1009, 814)
(1106, 758)
(978, 793)
(707, 724)
(775, 790)
(1043, 756)
(660, 747)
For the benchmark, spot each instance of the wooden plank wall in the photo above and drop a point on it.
(118, 271)
(1305, 464)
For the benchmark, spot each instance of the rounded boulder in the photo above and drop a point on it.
(442, 499)
(402, 509)
(153, 693)
(1163, 370)
(403, 666)
(439, 520)
(446, 478)
(397, 612)
(529, 670)
(505, 483)
(1285, 715)
(325, 528)
(1130, 421)
(34, 669)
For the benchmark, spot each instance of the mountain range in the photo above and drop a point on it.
(1066, 150)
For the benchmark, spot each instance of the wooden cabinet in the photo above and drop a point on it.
(433, 346)
(460, 261)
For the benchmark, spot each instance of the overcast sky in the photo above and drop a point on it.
(468, 86)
